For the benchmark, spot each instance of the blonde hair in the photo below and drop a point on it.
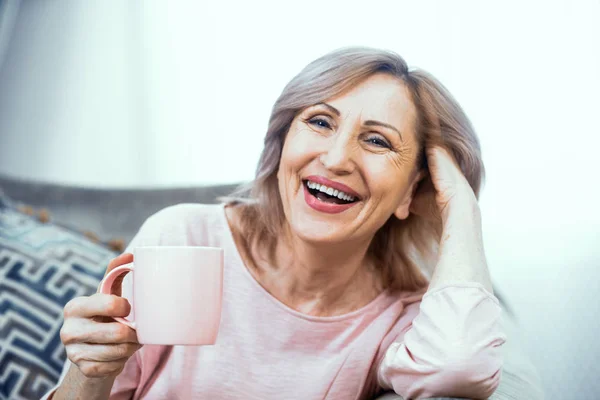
(404, 250)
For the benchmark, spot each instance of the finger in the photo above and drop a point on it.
(92, 369)
(442, 160)
(99, 304)
(81, 330)
(123, 259)
(101, 352)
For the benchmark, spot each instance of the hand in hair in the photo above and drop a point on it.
(444, 189)
(449, 200)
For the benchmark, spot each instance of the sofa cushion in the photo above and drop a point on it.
(110, 214)
(42, 267)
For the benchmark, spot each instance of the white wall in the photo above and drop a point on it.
(145, 94)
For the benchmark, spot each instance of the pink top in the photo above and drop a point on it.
(445, 342)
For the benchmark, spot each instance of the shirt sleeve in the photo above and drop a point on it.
(452, 346)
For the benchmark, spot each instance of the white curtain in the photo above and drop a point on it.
(71, 101)
(8, 15)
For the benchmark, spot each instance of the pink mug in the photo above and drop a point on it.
(177, 294)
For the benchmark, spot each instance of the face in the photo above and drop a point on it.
(349, 163)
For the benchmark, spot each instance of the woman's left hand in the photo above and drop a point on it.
(448, 199)
(447, 188)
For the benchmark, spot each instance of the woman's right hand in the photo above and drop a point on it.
(95, 342)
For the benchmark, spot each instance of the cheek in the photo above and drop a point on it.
(298, 150)
(294, 157)
(385, 177)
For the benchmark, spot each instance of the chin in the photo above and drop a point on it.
(319, 232)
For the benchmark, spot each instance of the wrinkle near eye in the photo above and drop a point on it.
(401, 157)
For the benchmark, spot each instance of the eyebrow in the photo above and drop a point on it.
(367, 123)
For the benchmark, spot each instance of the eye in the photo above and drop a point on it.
(319, 122)
(378, 141)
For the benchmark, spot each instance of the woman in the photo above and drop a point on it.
(354, 261)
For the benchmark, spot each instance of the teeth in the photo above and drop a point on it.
(330, 191)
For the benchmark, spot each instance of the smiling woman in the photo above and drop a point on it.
(368, 180)
(364, 107)
(372, 162)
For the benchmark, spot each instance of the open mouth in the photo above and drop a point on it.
(327, 194)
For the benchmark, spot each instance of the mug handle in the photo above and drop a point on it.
(106, 286)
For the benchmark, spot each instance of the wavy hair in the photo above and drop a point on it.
(404, 250)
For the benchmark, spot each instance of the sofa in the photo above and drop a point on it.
(55, 242)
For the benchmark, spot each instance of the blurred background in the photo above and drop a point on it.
(130, 94)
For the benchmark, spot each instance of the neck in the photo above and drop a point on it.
(322, 279)
(315, 279)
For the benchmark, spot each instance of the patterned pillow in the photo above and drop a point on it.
(42, 267)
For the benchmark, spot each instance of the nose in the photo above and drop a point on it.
(338, 156)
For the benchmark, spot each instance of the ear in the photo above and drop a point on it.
(403, 209)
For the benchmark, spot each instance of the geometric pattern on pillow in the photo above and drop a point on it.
(42, 267)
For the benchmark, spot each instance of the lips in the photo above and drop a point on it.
(327, 196)
(340, 187)
(323, 192)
